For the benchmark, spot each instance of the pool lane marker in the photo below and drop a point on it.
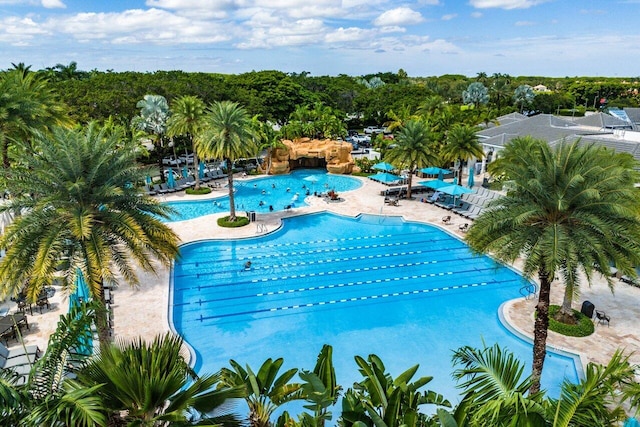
(352, 299)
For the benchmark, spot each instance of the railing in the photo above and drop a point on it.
(528, 291)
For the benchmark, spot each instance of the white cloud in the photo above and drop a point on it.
(392, 29)
(525, 24)
(296, 33)
(449, 17)
(399, 16)
(53, 4)
(476, 14)
(351, 34)
(505, 4)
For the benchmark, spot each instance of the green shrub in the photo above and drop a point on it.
(199, 191)
(240, 221)
(584, 326)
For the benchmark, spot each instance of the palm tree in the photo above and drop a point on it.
(50, 395)
(494, 390)
(462, 145)
(27, 105)
(267, 138)
(188, 119)
(500, 90)
(227, 136)
(523, 96)
(78, 204)
(413, 149)
(153, 385)
(154, 113)
(571, 209)
(400, 118)
(264, 391)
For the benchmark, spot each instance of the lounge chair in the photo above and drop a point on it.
(464, 227)
(18, 351)
(446, 219)
(602, 317)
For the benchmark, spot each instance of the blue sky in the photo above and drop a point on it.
(327, 37)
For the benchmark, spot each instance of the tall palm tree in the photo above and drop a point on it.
(152, 385)
(413, 149)
(462, 145)
(154, 113)
(400, 118)
(28, 105)
(572, 209)
(77, 203)
(188, 119)
(227, 136)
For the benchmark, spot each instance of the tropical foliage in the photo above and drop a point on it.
(227, 135)
(571, 211)
(80, 210)
(188, 119)
(413, 149)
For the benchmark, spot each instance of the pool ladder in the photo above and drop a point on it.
(261, 228)
(528, 291)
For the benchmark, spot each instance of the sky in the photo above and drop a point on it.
(554, 38)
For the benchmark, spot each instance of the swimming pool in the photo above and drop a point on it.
(408, 292)
(262, 194)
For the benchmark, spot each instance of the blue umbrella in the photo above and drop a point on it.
(433, 170)
(384, 166)
(631, 422)
(455, 190)
(470, 181)
(185, 172)
(81, 294)
(148, 179)
(171, 181)
(201, 170)
(455, 181)
(385, 178)
(435, 183)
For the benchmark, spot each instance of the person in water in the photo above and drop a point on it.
(247, 265)
(261, 203)
(270, 208)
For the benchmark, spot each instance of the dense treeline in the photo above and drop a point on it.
(274, 95)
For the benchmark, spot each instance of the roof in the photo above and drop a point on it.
(616, 144)
(543, 126)
(602, 121)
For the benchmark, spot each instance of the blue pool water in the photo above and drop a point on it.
(408, 292)
(276, 191)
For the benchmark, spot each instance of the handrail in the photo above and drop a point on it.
(529, 290)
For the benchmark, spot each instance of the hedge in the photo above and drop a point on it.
(240, 221)
(584, 326)
(199, 191)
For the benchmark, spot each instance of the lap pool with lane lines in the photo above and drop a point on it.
(406, 291)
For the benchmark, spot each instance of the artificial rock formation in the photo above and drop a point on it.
(306, 152)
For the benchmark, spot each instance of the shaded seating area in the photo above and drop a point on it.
(602, 317)
(11, 324)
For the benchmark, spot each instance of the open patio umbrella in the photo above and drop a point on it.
(385, 178)
(470, 181)
(171, 181)
(201, 170)
(434, 183)
(384, 166)
(433, 170)
(455, 190)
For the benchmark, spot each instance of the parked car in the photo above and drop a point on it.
(171, 161)
(187, 158)
(372, 129)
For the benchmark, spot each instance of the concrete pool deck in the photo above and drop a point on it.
(144, 311)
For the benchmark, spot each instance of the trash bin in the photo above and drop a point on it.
(252, 216)
(587, 309)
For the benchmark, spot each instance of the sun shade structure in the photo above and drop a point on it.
(385, 178)
(433, 170)
(384, 166)
(435, 184)
(455, 190)
(470, 181)
(171, 181)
